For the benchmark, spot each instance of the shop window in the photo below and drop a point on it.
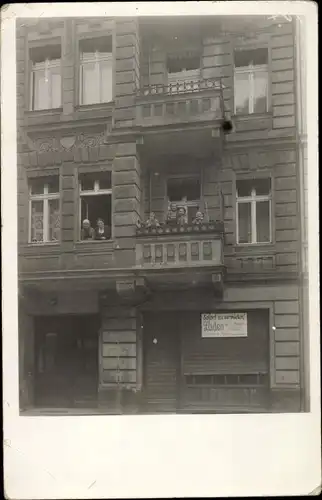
(45, 78)
(44, 210)
(185, 191)
(95, 206)
(253, 206)
(96, 70)
(251, 81)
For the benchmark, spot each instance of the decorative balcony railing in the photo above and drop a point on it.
(180, 102)
(183, 87)
(180, 246)
(166, 229)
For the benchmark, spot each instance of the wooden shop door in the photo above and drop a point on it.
(161, 362)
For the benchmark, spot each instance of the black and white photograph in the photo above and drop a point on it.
(162, 215)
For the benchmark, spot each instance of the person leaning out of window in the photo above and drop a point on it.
(102, 232)
(87, 232)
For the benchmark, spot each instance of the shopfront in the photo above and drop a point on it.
(65, 370)
(200, 361)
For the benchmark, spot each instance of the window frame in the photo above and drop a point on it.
(93, 192)
(47, 65)
(253, 199)
(191, 203)
(78, 72)
(41, 43)
(246, 69)
(45, 197)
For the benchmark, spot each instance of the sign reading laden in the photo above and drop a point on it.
(224, 325)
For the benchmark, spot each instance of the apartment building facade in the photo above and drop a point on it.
(127, 120)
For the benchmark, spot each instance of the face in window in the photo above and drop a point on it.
(86, 224)
(100, 223)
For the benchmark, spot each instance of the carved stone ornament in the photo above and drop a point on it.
(67, 143)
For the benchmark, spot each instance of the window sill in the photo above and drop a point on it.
(97, 244)
(42, 244)
(38, 112)
(95, 105)
(252, 116)
(246, 247)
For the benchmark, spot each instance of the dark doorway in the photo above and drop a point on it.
(66, 361)
(161, 362)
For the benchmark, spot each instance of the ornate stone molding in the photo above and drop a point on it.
(66, 143)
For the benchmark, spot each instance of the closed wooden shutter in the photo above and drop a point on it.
(161, 362)
(225, 374)
(225, 355)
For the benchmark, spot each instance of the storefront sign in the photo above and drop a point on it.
(224, 325)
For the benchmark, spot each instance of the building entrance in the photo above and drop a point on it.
(66, 352)
(161, 362)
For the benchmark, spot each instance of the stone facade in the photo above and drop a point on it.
(78, 139)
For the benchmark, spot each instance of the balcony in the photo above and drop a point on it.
(181, 254)
(179, 103)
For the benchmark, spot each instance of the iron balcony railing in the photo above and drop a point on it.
(181, 87)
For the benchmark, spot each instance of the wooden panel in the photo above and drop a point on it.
(230, 355)
(161, 362)
(129, 337)
(119, 350)
(115, 376)
(119, 363)
(288, 377)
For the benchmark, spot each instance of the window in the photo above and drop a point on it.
(44, 210)
(251, 81)
(96, 202)
(183, 63)
(254, 211)
(183, 70)
(45, 87)
(185, 191)
(96, 70)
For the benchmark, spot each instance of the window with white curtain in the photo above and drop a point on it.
(251, 81)
(45, 85)
(44, 210)
(253, 207)
(96, 70)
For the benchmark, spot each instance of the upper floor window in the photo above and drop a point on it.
(251, 81)
(253, 211)
(96, 70)
(185, 192)
(45, 85)
(95, 191)
(183, 69)
(44, 211)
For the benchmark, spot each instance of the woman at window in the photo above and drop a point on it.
(88, 232)
(102, 232)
